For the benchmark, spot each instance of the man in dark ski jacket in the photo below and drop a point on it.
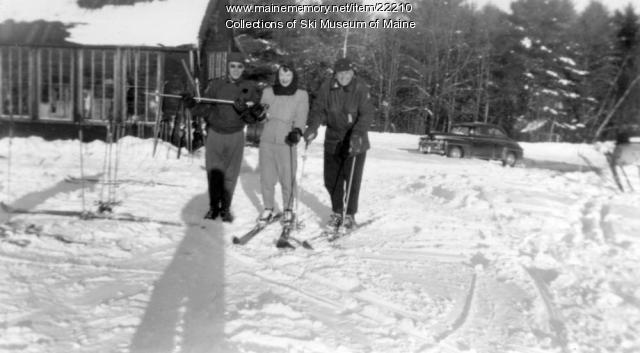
(342, 104)
(225, 133)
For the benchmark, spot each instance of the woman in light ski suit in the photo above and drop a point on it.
(287, 112)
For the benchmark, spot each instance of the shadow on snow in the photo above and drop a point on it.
(186, 309)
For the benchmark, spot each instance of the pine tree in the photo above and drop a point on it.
(547, 66)
(628, 59)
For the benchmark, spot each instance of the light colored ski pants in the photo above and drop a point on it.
(277, 164)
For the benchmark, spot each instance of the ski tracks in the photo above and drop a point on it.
(332, 297)
(373, 288)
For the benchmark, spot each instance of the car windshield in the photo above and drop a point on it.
(460, 130)
(482, 130)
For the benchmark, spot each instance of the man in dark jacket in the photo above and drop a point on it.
(342, 104)
(225, 133)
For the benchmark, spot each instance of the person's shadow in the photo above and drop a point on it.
(186, 310)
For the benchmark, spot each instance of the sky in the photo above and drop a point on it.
(612, 5)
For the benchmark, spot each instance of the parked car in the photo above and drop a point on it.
(473, 140)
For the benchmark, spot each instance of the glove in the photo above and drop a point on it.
(356, 145)
(240, 105)
(187, 100)
(259, 111)
(309, 135)
(293, 137)
(248, 118)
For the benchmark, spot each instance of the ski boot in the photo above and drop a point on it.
(266, 217)
(213, 213)
(288, 219)
(335, 221)
(349, 223)
(226, 216)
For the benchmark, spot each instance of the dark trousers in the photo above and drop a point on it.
(223, 160)
(337, 169)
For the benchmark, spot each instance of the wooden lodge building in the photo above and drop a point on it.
(90, 66)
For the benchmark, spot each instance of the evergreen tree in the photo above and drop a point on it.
(593, 34)
(627, 87)
(541, 61)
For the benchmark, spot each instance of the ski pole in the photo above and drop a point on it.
(197, 99)
(293, 179)
(9, 158)
(80, 138)
(347, 195)
(157, 122)
(297, 200)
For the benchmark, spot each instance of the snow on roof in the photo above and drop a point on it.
(157, 23)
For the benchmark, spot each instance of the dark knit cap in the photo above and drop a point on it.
(343, 64)
(235, 57)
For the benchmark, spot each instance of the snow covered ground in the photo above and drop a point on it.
(458, 256)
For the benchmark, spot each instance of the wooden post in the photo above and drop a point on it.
(75, 116)
(80, 93)
(31, 69)
(20, 84)
(50, 79)
(146, 87)
(117, 85)
(159, 89)
(124, 84)
(39, 81)
(104, 86)
(92, 104)
(10, 69)
(35, 80)
(1, 83)
(136, 67)
(61, 99)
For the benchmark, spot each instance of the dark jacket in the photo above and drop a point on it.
(223, 118)
(345, 110)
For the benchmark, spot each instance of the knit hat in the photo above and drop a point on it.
(342, 64)
(236, 57)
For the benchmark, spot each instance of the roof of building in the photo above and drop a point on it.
(169, 23)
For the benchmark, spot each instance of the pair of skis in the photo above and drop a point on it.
(285, 241)
(88, 215)
(242, 240)
(334, 234)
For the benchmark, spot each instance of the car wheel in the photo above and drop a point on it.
(509, 160)
(454, 152)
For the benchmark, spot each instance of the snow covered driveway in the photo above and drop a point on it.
(456, 256)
